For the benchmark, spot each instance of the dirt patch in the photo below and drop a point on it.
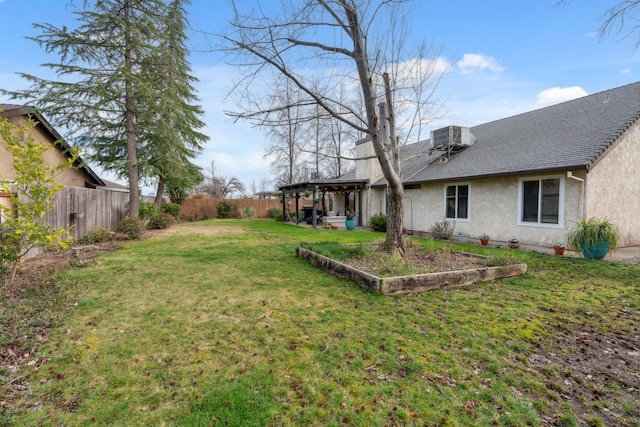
(417, 259)
(203, 229)
(598, 374)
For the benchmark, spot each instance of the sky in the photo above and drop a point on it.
(506, 57)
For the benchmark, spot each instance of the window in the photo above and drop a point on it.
(541, 201)
(457, 201)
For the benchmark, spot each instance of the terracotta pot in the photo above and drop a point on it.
(484, 242)
(514, 245)
(558, 250)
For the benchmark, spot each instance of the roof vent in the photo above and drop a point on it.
(451, 136)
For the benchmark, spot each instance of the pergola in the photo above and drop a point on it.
(324, 186)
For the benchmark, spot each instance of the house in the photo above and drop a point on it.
(80, 175)
(82, 203)
(531, 176)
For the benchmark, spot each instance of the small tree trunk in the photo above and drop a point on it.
(395, 190)
(130, 127)
(159, 191)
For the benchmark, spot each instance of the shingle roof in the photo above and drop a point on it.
(568, 136)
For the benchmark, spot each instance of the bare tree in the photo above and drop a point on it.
(621, 20)
(349, 42)
(284, 124)
(218, 186)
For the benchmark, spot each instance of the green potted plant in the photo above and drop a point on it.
(350, 222)
(558, 248)
(593, 237)
(484, 239)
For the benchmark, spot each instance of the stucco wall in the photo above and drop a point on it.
(71, 177)
(493, 210)
(612, 188)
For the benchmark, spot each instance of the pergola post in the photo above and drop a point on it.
(284, 214)
(314, 211)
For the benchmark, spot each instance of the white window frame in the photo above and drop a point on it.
(457, 184)
(561, 201)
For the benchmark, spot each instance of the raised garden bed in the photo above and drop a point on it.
(414, 282)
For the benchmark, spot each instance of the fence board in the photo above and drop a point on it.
(99, 208)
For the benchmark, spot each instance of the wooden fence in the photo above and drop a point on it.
(85, 209)
(208, 208)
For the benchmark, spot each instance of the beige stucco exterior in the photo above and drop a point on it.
(612, 187)
(610, 190)
(70, 177)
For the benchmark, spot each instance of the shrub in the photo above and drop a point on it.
(379, 223)
(224, 209)
(173, 209)
(133, 228)
(207, 212)
(275, 213)
(148, 210)
(96, 235)
(248, 212)
(162, 220)
(442, 230)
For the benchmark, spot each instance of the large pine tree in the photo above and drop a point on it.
(121, 74)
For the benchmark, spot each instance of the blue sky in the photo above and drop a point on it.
(506, 57)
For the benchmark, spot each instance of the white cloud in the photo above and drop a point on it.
(626, 71)
(556, 95)
(472, 63)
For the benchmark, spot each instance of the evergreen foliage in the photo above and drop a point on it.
(127, 94)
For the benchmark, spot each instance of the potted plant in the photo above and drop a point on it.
(593, 237)
(350, 222)
(514, 243)
(484, 239)
(558, 248)
(327, 225)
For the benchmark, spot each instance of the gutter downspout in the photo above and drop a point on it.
(582, 204)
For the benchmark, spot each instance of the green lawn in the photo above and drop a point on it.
(228, 327)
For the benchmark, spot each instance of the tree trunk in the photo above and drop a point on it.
(385, 153)
(130, 127)
(159, 191)
(395, 189)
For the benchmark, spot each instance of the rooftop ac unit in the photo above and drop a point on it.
(450, 135)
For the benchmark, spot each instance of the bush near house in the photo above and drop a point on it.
(442, 230)
(132, 227)
(378, 223)
(148, 210)
(96, 235)
(275, 213)
(162, 220)
(173, 209)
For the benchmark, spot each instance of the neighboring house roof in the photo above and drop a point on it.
(573, 135)
(12, 110)
(114, 186)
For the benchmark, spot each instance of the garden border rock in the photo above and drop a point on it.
(414, 283)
